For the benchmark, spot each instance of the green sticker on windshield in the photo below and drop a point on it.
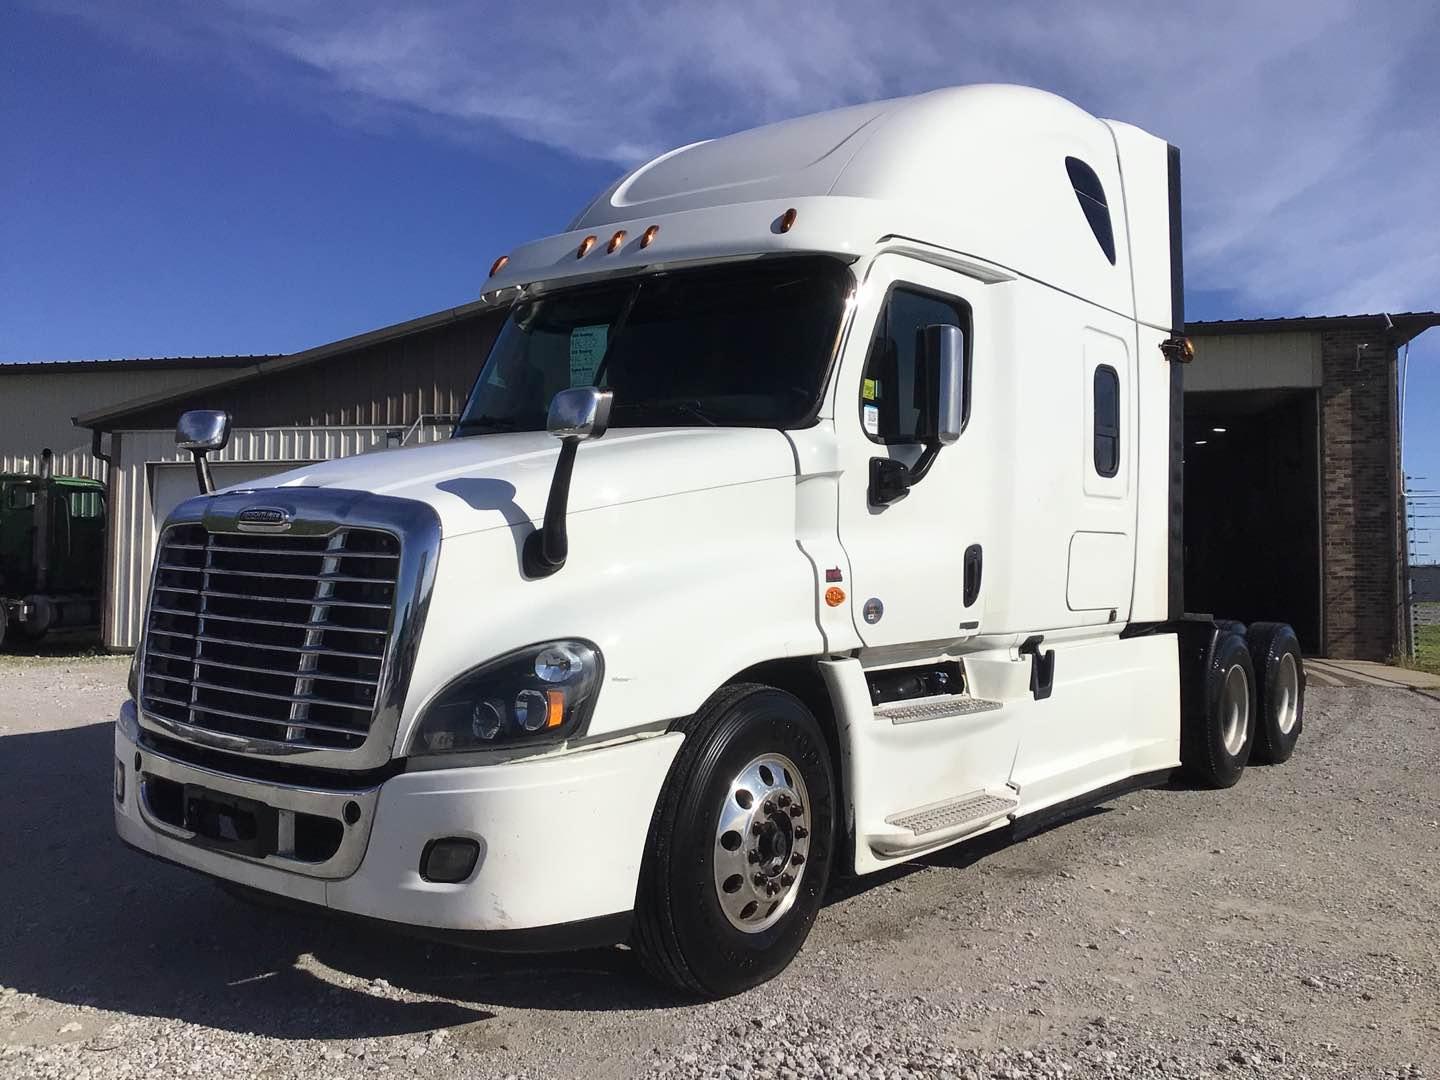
(871, 389)
(587, 348)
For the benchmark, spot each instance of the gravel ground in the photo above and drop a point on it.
(1286, 928)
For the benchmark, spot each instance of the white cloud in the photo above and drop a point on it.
(1308, 129)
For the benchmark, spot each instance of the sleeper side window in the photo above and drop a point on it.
(893, 391)
(1107, 421)
(1093, 204)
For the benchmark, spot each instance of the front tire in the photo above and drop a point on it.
(741, 844)
(1216, 745)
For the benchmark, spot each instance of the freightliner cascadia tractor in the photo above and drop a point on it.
(817, 507)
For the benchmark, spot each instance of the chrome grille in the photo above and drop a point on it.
(276, 638)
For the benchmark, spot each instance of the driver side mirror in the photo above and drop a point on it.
(942, 356)
(203, 431)
(940, 397)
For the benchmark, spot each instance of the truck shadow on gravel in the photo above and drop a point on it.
(86, 921)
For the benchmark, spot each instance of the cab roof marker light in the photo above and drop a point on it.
(787, 220)
(498, 265)
(615, 242)
(648, 236)
(585, 246)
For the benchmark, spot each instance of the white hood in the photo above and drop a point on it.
(492, 481)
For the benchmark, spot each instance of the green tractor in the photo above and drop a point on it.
(52, 551)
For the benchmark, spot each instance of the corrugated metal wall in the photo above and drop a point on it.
(67, 463)
(134, 530)
(36, 407)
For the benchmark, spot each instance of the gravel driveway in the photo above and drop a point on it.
(1287, 928)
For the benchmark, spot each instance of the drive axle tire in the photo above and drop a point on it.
(1215, 746)
(1279, 690)
(740, 846)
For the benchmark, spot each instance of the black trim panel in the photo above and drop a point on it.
(1030, 824)
(1176, 589)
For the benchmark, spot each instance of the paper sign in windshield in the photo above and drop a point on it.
(587, 348)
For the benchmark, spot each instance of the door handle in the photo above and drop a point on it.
(974, 567)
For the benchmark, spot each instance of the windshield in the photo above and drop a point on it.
(747, 345)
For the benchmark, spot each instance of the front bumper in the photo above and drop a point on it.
(561, 838)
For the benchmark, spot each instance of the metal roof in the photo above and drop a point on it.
(147, 363)
(106, 419)
(1402, 325)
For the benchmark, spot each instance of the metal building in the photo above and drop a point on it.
(1294, 493)
(39, 401)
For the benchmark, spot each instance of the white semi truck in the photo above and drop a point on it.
(860, 538)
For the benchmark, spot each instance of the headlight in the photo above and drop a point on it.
(539, 694)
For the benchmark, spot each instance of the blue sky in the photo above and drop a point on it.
(264, 175)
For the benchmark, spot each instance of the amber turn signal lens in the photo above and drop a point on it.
(834, 597)
(615, 242)
(787, 219)
(648, 236)
(499, 264)
(554, 708)
(585, 246)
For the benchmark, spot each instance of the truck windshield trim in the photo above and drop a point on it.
(740, 345)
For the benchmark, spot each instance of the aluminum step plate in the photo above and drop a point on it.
(935, 710)
(978, 807)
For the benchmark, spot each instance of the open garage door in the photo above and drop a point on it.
(1252, 508)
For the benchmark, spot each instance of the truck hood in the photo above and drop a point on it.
(493, 481)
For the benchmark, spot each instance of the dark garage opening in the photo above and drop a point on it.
(1252, 519)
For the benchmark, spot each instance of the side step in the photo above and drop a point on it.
(958, 705)
(950, 819)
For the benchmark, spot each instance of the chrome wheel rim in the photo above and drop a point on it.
(1287, 693)
(1235, 709)
(762, 843)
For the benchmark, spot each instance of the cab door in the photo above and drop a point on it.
(917, 564)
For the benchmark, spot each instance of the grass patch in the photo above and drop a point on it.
(1427, 649)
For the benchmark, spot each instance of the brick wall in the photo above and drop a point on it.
(1361, 552)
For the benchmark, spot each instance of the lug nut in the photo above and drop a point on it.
(796, 859)
(769, 806)
(753, 855)
(756, 829)
(801, 832)
(796, 811)
(758, 879)
(784, 801)
(787, 879)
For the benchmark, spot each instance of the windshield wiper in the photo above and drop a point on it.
(498, 423)
(684, 408)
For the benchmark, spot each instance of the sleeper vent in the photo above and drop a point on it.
(1092, 201)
